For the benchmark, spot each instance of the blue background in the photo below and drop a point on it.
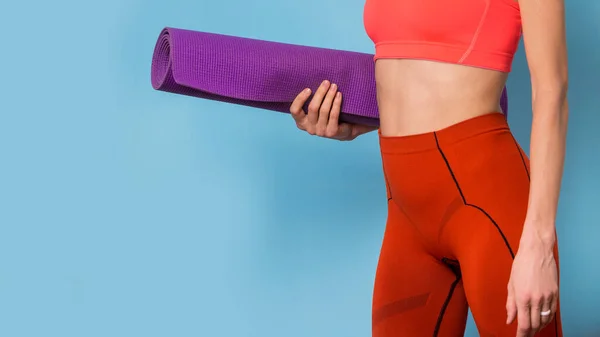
(130, 212)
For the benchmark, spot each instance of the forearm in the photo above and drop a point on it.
(547, 153)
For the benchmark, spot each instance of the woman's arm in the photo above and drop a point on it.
(545, 46)
(533, 285)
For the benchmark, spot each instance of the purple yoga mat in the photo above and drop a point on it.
(263, 74)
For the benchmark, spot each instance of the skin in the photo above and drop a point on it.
(418, 96)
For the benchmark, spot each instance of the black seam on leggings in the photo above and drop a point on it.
(521, 155)
(445, 306)
(512, 254)
(387, 185)
(453, 265)
(448, 260)
(449, 169)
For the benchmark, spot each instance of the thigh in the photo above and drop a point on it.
(491, 172)
(415, 294)
(486, 261)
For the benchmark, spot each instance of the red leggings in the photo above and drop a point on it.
(457, 200)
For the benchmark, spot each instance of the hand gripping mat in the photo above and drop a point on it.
(263, 74)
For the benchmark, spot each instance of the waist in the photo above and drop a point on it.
(487, 126)
(417, 96)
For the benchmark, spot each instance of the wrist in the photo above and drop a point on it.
(539, 234)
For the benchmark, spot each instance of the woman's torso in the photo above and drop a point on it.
(439, 62)
(416, 96)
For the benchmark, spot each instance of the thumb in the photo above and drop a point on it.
(511, 306)
(359, 129)
(345, 131)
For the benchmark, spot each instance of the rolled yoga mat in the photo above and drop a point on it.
(263, 74)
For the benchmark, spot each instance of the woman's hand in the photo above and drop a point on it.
(323, 114)
(533, 286)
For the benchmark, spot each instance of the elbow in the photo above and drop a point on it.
(549, 101)
(551, 110)
(555, 90)
(553, 85)
(551, 93)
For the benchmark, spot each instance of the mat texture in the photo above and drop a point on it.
(263, 74)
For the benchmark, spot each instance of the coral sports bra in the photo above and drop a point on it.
(479, 33)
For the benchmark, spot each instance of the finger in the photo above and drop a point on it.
(511, 307)
(325, 109)
(536, 315)
(315, 104)
(296, 108)
(554, 300)
(334, 116)
(524, 319)
(554, 305)
(546, 309)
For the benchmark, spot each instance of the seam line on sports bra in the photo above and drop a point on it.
(512, 3)
(476, 35)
